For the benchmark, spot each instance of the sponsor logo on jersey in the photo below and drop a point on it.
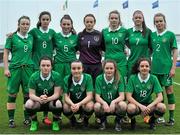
(39, 84)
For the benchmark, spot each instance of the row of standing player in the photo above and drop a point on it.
(90, 43)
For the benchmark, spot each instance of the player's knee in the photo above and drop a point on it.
(161, 107)
(89, 107)
(29, 104)
(131, 108)
(122, 106)
(97, 107)
(55, 105)
(66, 108)
(58, 104)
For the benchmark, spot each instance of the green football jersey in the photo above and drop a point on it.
(142, 91)
(110, 91)
(115, 45)
(65, 48)
(43, 44)
(78, 92)
(138, 45)
(162, 46)
(21, 50)
(43, 87)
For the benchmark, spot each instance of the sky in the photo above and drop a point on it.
(11, 10)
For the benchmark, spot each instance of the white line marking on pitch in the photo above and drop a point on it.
(176, 83)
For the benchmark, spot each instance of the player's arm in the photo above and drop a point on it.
(121, 97)
(56, 95)
(157, 100)
(130, 99)
(88, 98)
(33, 96)
(175, 55)
(100, 100)
(5, 60)
(67, 99)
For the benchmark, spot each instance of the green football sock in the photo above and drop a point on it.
(26, 114)
(11, 114)
(171, 114)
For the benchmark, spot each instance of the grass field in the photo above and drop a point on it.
(65, 128)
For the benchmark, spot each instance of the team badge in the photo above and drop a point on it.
(164, 40)
(104, 87)
(50, 37)
(71, 89)
(51, 84)
(60, 41)
(149, 87)
(115, 87)
(137, 86)
(120, 34)
(82, 88)
(108, 35)
(71, 41)
(96, 38)
(82, 38)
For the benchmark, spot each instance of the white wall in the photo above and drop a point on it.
(11, 10)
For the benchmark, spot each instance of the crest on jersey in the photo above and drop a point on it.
(82, 88)
(115, 87)
(71, 41)
(82, 38)
(164, 40)
(50, 37)
(51, 84)
(149, 87)
(96, 38)
(120, 34)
